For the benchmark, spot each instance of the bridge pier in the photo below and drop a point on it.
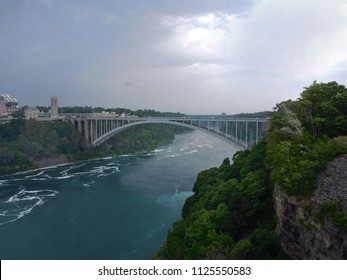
(236, 133)
(86, 130)
(246, 134)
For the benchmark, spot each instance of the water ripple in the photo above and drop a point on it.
(22, 203)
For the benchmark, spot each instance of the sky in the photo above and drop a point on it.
(188, 56)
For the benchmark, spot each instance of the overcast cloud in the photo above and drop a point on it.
(191, 56)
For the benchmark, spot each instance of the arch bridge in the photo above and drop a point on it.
(241, 132)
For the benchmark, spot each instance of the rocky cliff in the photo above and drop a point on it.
(305, 229)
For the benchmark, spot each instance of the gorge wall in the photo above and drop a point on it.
(305, 229)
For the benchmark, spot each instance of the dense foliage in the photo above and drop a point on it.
(300, 141)
(231, 215)
(305, 135)
(24, 144)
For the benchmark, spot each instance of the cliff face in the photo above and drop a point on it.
(304, 231)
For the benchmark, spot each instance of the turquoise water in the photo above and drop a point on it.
(111, 208)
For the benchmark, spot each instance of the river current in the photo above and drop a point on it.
(111, 208)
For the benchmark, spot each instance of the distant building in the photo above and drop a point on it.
(52, 115)
(54, 106)
(32, 113)
(8, 104)
(3, 110)
(104, 114)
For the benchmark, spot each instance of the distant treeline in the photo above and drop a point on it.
(119, 111)
(260, 115)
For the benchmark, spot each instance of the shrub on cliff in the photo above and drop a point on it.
(296, 156)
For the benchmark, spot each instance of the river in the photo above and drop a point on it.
(111, 208)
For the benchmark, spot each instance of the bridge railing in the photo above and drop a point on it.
(76, 115)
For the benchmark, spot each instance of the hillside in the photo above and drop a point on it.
(230, 215)
(30, 144)
(235, 212)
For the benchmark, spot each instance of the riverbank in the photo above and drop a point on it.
(26, 145)
(47, 162)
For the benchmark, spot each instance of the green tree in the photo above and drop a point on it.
(324, 108)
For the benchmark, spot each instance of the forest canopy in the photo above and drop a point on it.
(231, 213)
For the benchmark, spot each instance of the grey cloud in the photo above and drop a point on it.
(122, 52)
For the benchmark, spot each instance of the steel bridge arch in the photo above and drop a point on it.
(117, 130)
